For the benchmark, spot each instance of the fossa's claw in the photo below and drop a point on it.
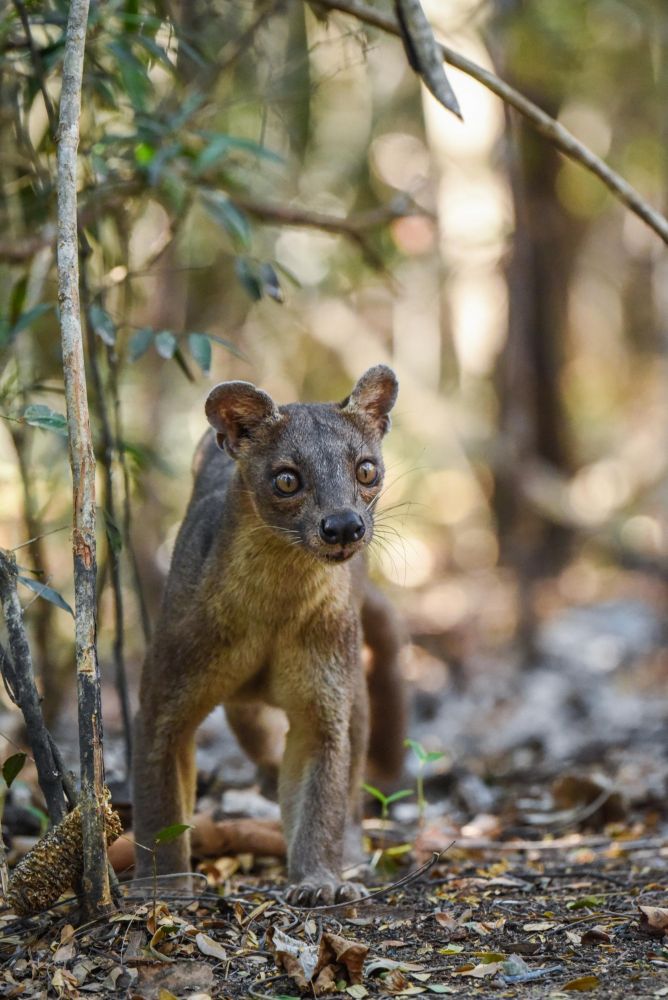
(311, 894)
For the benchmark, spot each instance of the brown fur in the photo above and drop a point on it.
(263, 611)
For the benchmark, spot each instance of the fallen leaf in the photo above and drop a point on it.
(386, 964)
(654, 920)
(319, 967)
(596, 935)
(210, 947)
(180, 978)
(65, 953)
(395, 981)
(446, 920)
(583, 984)
(540, 925)
(481, 971)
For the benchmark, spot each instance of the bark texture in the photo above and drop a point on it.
(95, 883)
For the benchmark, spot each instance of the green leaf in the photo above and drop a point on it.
(170, 833)
(102, 324)
(180, 359)
(227, 215)
(134, 79)
(271, 284)
(155, 50)
(228, 345)
(396, 796)
(417, 749)
(144, 154)
(140, 343)
(48, 593)
(165, 344)
(200, 348)
(586, 903)
(26, 319)
(17, 299)
(12, 767)
(248, 278)
(221, 145)
(376, 792)
(42, 416)
(434, 755)
(114, 536)
(41, 818)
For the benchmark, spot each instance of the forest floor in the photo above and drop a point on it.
(543, 841)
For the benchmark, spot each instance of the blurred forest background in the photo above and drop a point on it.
(267, 193)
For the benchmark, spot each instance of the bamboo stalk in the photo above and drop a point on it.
(95, 883)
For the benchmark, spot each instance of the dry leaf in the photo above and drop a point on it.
(583, 984)
(320, 967)
(395, 981)
(210, 947)
(65, 953)
(596, 935)
(654, 920)
(446, 920)
(180, 978)
(481, 971)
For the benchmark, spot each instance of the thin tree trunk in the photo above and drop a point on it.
(96, 892)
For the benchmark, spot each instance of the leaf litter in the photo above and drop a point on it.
(554, 886)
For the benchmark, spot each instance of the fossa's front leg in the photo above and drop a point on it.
(314, 788)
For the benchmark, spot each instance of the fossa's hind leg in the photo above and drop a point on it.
(387, 702)
(260, 730)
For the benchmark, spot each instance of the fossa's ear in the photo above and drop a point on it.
(373, 397)
(235, 410)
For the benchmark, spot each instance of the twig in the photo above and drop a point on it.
(564, 140)
(17, 671)
(355, 228)
(51, 531)
(97, 897)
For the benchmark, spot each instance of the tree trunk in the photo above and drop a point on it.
(96, 894)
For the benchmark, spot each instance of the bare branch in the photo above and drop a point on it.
(17, 672)
(95, 881)
(564, 140)
(354, 228)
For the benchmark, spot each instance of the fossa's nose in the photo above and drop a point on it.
(342, 527)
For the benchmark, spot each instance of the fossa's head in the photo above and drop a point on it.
(313, 471)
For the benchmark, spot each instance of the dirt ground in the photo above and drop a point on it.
(549, 803)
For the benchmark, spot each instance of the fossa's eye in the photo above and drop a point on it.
(287, 482)
(367, 473)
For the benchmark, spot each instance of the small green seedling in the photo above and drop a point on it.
(424, 757)
(386, 800)
(385, 856)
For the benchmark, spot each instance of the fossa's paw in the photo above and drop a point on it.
(324, 892)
